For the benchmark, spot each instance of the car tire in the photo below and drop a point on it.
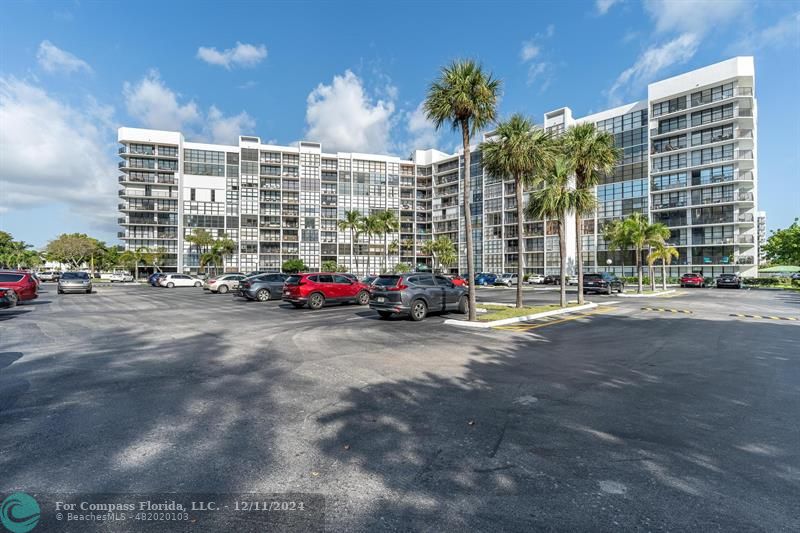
(170, 285)
(88, 291)
(362, 298)
(621, 289)
(610, 290)
(222, 289)
(13, 297)
(385, 315)
(60, 291)
(316, 301)
(198, 284)
(262, 295)
(419, 310)
(463, 305)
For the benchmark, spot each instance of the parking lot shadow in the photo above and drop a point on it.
(606, 433)
(10, 314)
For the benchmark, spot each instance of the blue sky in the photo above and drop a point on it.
(350, 74)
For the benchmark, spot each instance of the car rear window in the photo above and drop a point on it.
(10, 278)
(592, 276)
(74, 275)
(292, 280)
(386, 281)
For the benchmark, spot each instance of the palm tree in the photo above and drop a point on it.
(369, 226)
(351, 223)
(593, 153)
(442, 250)
(217, 252)
(202, 241)
(616, 239)
(386, 222)
(554, 202)
(518, 150)
(663, 252)
(643, 234)
(465, 97)
(134, 258)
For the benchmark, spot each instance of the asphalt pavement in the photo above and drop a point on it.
(672, 413)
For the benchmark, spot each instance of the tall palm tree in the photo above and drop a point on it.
(134, 258)
(593, 153)
(387, 223)
(616, 239)
(520, 151)
(369, 226)
(442, 250)
(663, 252)
(555, 202)
(202, 241)
(643, 234)
(351, 222)
(465, 97)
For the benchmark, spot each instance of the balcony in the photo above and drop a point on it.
(745, 239)
(670, 205)
(713, 200)
(744, 260)
(747, 217)
(745, 197)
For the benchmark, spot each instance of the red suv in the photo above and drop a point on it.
(318, 288)
(693, 280)
(22, 282)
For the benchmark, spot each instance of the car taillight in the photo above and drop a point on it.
(399, 287)
(212, 281)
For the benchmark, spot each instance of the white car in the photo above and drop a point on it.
(508, 279)
(179, 280)
(535, 279)
(122, 277)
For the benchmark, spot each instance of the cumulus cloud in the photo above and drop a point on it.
(343, 117)
(54, 153)
(421, 132)
(156, 106)
(241, 55)
(694, 16)
(529, 51)
(540, 71)
(604, 5)
(652, 61)
(53, 59)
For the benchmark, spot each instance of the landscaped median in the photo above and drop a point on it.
(501, 315)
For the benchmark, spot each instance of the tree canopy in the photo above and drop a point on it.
(783, 246)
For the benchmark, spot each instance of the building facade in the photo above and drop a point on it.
(689, 160)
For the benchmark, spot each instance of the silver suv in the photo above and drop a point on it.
(416, 295)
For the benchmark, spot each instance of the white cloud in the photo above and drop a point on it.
(53, 59)
(421, 132)
(54, 153)
(529, 51)
(785, 32)
(694, 16)
(156, 106)
(241, 55)
(343, 117)
(539, 72)
(652, 61)
(604, 5)
(226, 130)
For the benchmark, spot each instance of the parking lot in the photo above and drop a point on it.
(668, 413)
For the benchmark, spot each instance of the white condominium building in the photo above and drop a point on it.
(689, 161)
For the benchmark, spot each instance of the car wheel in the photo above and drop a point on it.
(262, 295)
(60, 291)
(610, 290)
(12, 296)
(222, 289)
(316, 301)
(297, 305)
(385, 315)
(418, 310)
(463, 305)
(198, 284)
(621, 289)
(363, 298)
(88, 291)
(170, 285)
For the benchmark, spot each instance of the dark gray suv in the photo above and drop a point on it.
(416, 295)
(262, 287)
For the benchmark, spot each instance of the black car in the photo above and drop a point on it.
(552, 280)
(416, 295)
(262, 287)
(729, 280)
(602, 282)
(8, 298)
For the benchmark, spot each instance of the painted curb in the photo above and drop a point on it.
(652, 295)
(514, 320)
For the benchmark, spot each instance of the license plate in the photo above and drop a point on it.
(380, 299)
(286, 293)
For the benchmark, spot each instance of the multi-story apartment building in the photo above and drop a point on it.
(689, 161)
(762, 235)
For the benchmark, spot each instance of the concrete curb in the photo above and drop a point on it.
(651, 295)
(514, 320)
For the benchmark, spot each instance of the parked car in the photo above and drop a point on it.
(75, 282)
(35, 278)
(459, 281)
(120, 277)
(317, 289)
(50, 275)
(368, 280)
(262, 287)
(153, 279)
(179, 280)
(485, 278)
(602, 282)
(536, 279)
(508, 279)
(256, 273)
(692, 279)
(8, 298)
(416, 295)
(552, 280)
(729, 280)
(795, 276)
(22, 283)
(224, 283)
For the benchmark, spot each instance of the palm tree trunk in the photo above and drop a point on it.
(652, 272)
(520, 243)
(468, 222)
(369, 255)
(352, 249)
(663, 274)
(579, 255)
(562, 247)
(385, 250)
(639, 268)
